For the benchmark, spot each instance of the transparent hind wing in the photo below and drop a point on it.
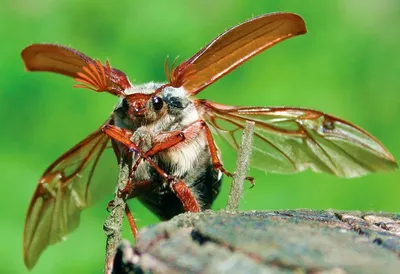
(61, 194)
(289, 140)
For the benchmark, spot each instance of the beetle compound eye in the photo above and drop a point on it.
(157, 102)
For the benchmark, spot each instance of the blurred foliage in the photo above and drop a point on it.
(347, 65)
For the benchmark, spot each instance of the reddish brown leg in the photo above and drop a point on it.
(170, 139)
(167, 140)
(131, 221)
(214, 155)
(133, 192)
(122, 136)
(129, 216)
(186, 196)
(161, 142)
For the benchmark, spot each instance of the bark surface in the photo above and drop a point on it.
(287, 241)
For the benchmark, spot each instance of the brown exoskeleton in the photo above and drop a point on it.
(176, 166)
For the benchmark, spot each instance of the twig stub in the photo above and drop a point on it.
(113, 224)
(242, 165)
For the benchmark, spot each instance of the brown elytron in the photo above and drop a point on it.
(167, 134)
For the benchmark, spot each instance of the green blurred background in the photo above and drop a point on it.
(347, 65)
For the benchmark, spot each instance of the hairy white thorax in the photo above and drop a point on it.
(181, 112)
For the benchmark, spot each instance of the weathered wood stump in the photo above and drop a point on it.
(300, 241)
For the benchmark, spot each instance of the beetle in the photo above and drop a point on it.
(166, 133)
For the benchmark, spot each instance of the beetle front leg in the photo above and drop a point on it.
(170, 139)
(173, 138)
(123, 136)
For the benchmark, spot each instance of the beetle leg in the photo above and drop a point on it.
(214, 155)
(129, 216)
(122, 136)
(131, 221)
(173, 138)
(181, 190)
(186, 196)
(167, 140)
(132, 190)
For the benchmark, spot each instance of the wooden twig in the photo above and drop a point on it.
(242, 165)
(113, 224)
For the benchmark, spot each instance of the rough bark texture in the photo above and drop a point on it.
(113, 224)
(287, 241)
(242, 165)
